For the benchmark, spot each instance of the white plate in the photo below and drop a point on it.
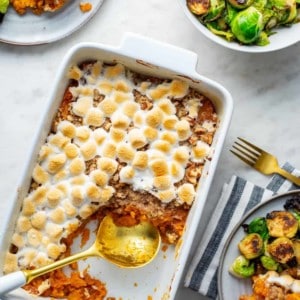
(30, 29)
(230, 252)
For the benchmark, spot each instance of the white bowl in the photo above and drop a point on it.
(284, 37)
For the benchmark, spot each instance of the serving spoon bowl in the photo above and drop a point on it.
(127, 247)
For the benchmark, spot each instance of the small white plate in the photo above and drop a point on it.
(230, 287)
(30, 29)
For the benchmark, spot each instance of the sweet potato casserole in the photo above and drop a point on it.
(121, 143)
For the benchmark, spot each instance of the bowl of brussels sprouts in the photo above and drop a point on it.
(247, 25)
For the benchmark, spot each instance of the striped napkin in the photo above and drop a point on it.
(237, 197)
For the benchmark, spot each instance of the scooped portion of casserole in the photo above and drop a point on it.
(121, 143)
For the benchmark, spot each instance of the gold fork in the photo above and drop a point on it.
(260, 160)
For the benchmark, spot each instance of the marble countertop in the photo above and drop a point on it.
(265, 89)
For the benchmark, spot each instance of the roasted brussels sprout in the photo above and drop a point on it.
(247, 25)
(198, 7)
(282, 224)
(269, 263)
(285, 10)
(215, 10)
(3, 8)
(242, 267)
(258, 225)
(240, 4)
(281, 250)
(251, 246)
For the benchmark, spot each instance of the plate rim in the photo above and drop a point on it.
(235, 229)
(59, 36)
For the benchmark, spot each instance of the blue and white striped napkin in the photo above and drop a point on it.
(238, 196)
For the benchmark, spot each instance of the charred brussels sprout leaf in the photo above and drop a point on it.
(216, 30)
(281, 250)
(251, 246)
(198, 7)
(247, 25)
(259, 225)
(242, 267)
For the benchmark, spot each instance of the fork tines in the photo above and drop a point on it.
(246, 151)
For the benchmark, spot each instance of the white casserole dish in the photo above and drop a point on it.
(161, 277)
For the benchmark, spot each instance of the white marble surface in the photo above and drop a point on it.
(265, 88)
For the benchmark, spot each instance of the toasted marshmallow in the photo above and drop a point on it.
(127, 174)
(181, 155)
(75, 73)
(57, 215)
(136, 138)
(69, 208)
(93, 192)
(96, 69)
(105, 87)
(58, 140)
(154, 117)
(140, 160)
(40, 175)
(183, 129)
(162, 182)
(34, 237)
(99, 135)
(89, 150)
(177, 171)
(162, 146)
(138, 119)
(94, 117)
(170, 122)
(67, 129)
(178, 88)
(170, 137)
(109, 150)
(166, 195)
(186, 193)
(107, 165)
(120, 97)
(38, 220)
(159, 92)
(54, 230)
(23, 224)
(28, 207)
(130, 108)
(53, 196)
(114, 71)
(117, 134)
(159, 167)
(200, 151)
(125, 152)
(150, 133)
(53, 251)
(71, 150)
(167, 107)
(77, 196)
(108, 106)
(85, 211)
(82, 105)
(18, 240)
(122, 86)
(77, 166)
(99, 177)
(45, 151)
(119, 120)
(83, 133)
(106, 193)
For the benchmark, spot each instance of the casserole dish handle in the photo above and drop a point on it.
(159, 54)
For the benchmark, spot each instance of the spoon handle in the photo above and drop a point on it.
(12, 281)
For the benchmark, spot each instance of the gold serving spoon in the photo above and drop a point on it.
(127, 247)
